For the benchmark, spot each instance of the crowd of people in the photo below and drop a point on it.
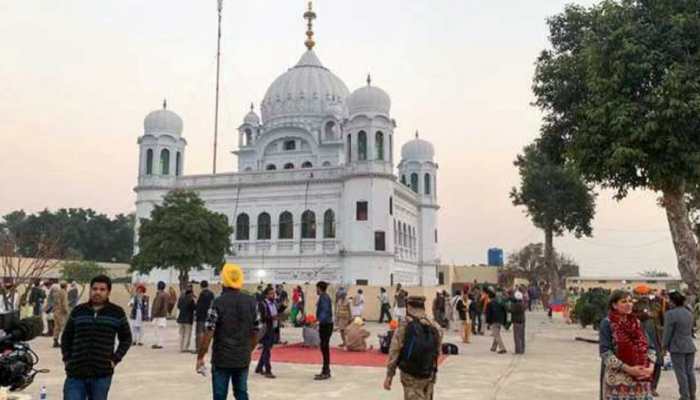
(639, 331)
(234, 323)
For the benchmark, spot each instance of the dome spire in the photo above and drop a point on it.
(310, 16)
(165, 104)
(369, 79)
(252, 107)
(416, 133)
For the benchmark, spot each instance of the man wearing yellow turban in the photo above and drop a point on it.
(233, 325)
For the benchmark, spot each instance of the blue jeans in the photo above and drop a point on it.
(220, 378)
(86, 389)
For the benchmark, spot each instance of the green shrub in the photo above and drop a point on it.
(592, 307)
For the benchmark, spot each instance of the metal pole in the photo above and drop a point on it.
(216, 107)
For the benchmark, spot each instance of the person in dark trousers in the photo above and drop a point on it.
(517, 317)
(206, 297)
(496, 319)
(94, 325)
(678, 340)
(473, 313)
(233, 325)
(385, 306)
(267, 309)
(185, 318)
(36, 298)
(324, 316)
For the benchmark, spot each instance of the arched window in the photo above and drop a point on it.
(264, 226)
(413, 236)
(400, 234)
(270, 167)
(307, 164)
(308, 225)
(286, 226)
(149, 162)
(248, 169)
(406, 238)
(330, 131)
(391, 147)
(326, 163)
(178, 164)
(414, 182)
(426, 183)
(403, 179)
(379, 145)
(288, 166)
(362, 146)
(165, 162)
(248, 137)
(391, 205)
(242, 227)
(349, 149)
(329, 224)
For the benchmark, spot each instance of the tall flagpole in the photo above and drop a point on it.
(216, 107)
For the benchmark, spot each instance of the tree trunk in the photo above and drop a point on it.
(184, 278)
(684, 240)
(551, 265)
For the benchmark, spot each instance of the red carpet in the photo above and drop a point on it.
(296, 354)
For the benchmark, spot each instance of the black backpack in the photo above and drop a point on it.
(420, 350)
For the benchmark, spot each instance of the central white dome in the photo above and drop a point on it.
(308, 88)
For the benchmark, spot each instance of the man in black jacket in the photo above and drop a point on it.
(232, 324)
(204, 301)
(496, 319)
(87, 344)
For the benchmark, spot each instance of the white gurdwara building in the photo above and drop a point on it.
(316, 196)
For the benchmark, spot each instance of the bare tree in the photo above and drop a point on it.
(21, 269)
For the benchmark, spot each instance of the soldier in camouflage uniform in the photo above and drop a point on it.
(413, 388)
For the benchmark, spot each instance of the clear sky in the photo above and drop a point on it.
(77, 78)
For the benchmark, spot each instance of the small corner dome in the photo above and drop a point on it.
(369, 99)
(251, 118)
(418, 150)
(163, 121)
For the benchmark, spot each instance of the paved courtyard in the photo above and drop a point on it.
(555, 367)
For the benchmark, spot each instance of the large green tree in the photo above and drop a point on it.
(555, 198)
(620, 87)
(83, 233)
(182, 233)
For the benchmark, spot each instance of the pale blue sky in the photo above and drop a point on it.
(78, 76)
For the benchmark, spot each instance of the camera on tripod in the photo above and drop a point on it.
(17, 359)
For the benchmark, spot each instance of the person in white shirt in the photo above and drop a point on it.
(358, 304)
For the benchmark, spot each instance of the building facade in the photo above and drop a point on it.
(317, 194)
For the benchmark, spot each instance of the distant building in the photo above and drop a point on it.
(495, 257)
(456, 276)
(623, 282)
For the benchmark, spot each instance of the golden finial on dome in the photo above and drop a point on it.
(310, 16)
